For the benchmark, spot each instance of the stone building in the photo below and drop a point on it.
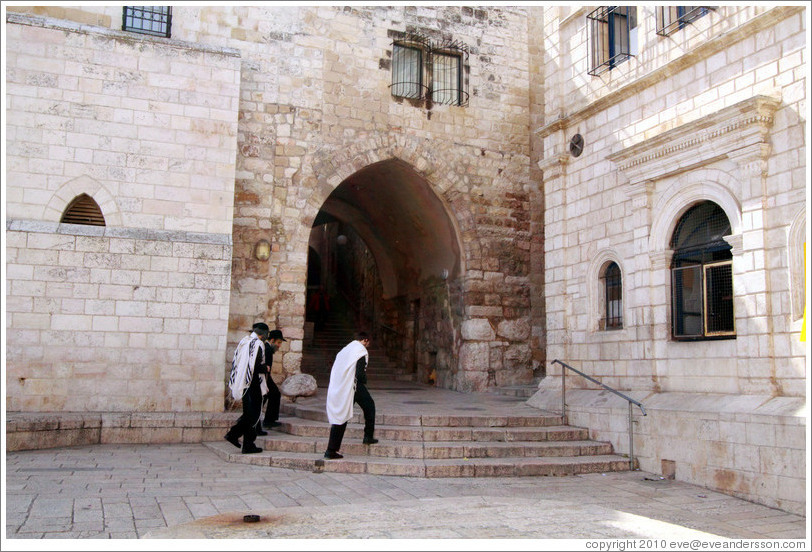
(484, 188)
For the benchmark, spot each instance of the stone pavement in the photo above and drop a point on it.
(186, 491)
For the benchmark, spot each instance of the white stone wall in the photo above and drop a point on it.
(316, 107)
(130, 316)
(716, 112)
(597, 210)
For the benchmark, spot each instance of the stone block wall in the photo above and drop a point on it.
(315, 107)
(752, 447)
(714, 112)
(694, 116)
(130, 316)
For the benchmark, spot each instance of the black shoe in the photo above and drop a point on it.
(330, 455)
(251, 450)
(269, 425)
(370, 440)
(233, 440)
(260, 432)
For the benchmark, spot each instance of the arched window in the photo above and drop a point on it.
(702, 275)
(83, 210)
(612, 298)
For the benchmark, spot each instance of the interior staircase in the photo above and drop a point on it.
(319, 353)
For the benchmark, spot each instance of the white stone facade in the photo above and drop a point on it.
(241, 127)
(714, 112)
(131, 316)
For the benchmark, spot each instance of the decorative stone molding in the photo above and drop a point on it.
(735, 241)
(70, 26)
(743, 127)
(713, 186)
(696, 55)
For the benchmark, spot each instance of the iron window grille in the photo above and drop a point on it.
(613, 33)
(702, 275)
(613, 298)
(151, 20)
(424, 70)
(670, 19)
(83, 210)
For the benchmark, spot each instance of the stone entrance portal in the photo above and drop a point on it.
(383, 243)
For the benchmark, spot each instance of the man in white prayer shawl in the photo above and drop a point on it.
(245, 383)
(348, 380)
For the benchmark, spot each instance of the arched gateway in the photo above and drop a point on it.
(410, 243)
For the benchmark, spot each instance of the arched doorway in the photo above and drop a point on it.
(389, 262)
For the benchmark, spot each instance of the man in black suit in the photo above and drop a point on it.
(271, 400)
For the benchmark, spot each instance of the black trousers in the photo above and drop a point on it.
(271, 402)
(364, 400)
(245, 426)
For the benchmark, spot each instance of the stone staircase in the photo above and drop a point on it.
(319, 353)
(432, 445)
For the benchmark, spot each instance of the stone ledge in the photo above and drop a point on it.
(41, 430)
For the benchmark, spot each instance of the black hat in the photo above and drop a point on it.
(276, 334)
(261, 326)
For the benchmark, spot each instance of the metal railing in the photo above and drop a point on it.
(618, 393)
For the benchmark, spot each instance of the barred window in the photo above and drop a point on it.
(446, 79)
(407, 71)
(83, 210)
(613, 298)
(702, 275)
(423, 70)
(151, 20)
(670, 19)
(613, 37)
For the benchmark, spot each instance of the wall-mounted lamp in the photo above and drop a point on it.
(262, 250)
(444, 274)
(341, 239)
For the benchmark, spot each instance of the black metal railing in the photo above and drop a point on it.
(616, 392)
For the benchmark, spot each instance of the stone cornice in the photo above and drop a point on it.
(703, 51)
(700, 142)
(70, 26)
(47, 227)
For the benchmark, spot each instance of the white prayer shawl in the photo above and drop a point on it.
(341, 391)
(242, 366)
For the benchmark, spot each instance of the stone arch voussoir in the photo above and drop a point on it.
(436, 164)
(687, 190)
(83, 185)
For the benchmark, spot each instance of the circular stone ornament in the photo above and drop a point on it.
(576, 145)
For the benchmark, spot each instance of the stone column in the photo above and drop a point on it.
(555, 198)
(637, 282)
(751, 280)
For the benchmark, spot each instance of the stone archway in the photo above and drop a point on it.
(396, 260)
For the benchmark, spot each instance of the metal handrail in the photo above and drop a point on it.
(618, 393)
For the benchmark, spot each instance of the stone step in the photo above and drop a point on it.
(282, 442)
(522, 391)
(516, 466)
(318, 413)
(428, 433)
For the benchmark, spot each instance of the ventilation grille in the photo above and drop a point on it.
(83, 210)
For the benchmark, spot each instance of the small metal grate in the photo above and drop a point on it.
(612, 31)
(702, 275)
(613, 297)
(83, 210)
(670, 19)
(151, 20)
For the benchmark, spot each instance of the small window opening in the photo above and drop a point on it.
(613, 298)
(671, 19)
(151, 20)
(83, 210)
